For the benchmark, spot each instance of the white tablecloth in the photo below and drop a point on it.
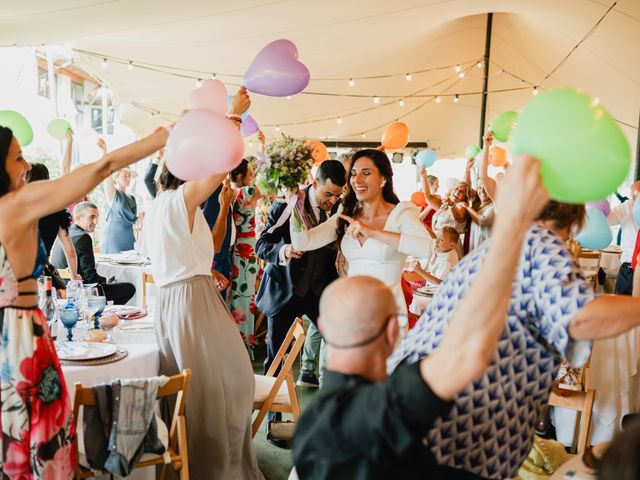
(133, 274)
(143, 361)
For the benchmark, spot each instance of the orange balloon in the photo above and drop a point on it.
(498, 156)
(395, 136)
(318, 151)
(418, 199)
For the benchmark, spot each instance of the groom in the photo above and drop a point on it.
(293, 281)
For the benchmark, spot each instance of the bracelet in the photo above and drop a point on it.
(235, 118)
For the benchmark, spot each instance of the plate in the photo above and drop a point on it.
(84, 350)
(135, 327)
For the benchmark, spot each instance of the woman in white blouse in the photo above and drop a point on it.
(375, 230)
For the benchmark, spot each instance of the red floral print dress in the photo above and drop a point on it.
(38, 435)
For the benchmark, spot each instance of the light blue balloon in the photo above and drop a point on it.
(426, 158)
(636, 211)
(230, 103)
(596, 233)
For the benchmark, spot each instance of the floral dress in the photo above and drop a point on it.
(245, 266)
(38, 434)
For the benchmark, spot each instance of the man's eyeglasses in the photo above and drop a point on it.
(400, 317)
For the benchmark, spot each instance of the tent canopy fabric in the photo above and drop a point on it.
(339, 40)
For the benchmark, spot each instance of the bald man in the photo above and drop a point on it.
(363, 425)
(623, 215)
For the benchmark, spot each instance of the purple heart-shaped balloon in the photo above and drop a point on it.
(249, 126)
(276, 71)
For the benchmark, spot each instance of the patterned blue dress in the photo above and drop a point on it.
(490, 429)
(118, 230)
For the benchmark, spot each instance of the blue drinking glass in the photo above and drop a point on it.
(97, 305)
(69, 318)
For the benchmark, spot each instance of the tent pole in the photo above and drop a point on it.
(487, 58)
(637, 172)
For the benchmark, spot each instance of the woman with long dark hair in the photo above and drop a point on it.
(37, 431)
(374, 229)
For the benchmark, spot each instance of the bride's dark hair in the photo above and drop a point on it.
(351, 206)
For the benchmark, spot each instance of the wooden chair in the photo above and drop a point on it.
(589, 261)
(146, 278)
(177, 385)
(582, 402)
(278, 393)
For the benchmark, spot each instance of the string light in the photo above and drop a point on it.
(364, 135)
(458, 68)
(130, 66)
(213, 76)
(199, 83)
(151, 114)
(103, 64)
(339, 119)
(461, 75)
(407, 77)
(351, 82)
(438, 99)
(288, 97)
(376, 99)
(456, 99)
(535, 91)
(277, 128)
(479, 65)
(401, 102)
(250, 143)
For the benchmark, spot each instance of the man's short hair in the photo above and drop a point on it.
(432, 179)
(332, 170)
(452, 233)
(80, 208)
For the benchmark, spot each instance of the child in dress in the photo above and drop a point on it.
(443, 259)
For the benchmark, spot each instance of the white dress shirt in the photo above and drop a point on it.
(623, 215)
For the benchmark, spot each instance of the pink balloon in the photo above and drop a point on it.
(202, 144)
(276, 71)
(249, 126)
(602, 205)
(212, 95)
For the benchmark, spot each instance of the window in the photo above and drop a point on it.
(43, 83)
(96, 120)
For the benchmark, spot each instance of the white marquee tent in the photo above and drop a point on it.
(543, 43)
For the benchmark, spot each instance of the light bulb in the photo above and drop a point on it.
(479, 64)
(407, 77)
(277, 128)
(103, 64)
(339, 119)
(438, 99)
(461, 74)
(250, 143)
(213, 76)
(458, 68)
(199, 83)
(364, 135)
(351, 82)
(288, 97)
(535, 91)
(376, 99)
(401, 102)
(456, 98)
(151, 115)
(130, 66)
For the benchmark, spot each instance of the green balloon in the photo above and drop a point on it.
(19, 125)
(58, 127)
(472, 151)
(583, 153)
(502, 125)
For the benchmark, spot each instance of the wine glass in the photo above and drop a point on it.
(69, 318)
(97, 305)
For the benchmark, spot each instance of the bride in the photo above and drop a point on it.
(375, 230)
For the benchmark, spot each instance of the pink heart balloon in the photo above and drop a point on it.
(202, 144)
(276, 71)
(249, 126)
(212, 95)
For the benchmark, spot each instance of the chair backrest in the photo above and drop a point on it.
(295, 339)
(177, 385)
(589, 259)
(582, 402)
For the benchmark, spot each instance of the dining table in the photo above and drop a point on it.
(142, 360)
(127, 268)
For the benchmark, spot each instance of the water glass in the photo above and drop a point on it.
(96, 307)
(69, 318)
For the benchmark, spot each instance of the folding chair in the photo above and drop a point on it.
(177, 449)
(278, 393)
(582, 402)
(589, 261)
(146, 278)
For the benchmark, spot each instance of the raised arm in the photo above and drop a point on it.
(68, 149)
(225, 198)
(304, 239)
(472, 336)
(109, 183)
(433, 200)
(488, 182)
(39, 199)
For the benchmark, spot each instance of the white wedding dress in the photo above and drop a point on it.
(374, 258)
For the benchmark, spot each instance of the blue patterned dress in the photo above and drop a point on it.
(490, 428)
